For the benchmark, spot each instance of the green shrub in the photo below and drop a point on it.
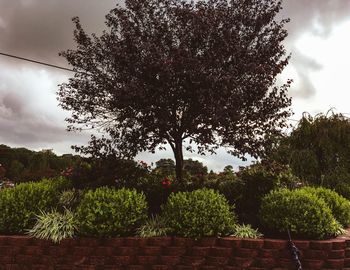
(302, 212)
(339, 206)
(110, 212)
(246, 231)
(19, 205)
(54, 226)
(256, 181)
(202, 212)
(153, 227)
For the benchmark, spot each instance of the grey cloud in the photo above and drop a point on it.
(40, 29)
(315, 16)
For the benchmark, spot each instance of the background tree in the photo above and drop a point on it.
(318, 151)
(166, 71)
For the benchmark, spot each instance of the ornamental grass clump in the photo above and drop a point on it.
(109, 212)
(203, 212)
(155, 226)
(300, 211)
(54, 226)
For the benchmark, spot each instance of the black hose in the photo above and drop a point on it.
(295, 252)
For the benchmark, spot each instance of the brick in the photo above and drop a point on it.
(175, 251)
(338, 244)
(313, 264)
(221, 251)
(147, 260)
(88, 242)
(136, 267)
(3, 240)
(183, 242)
(82, 251)
(253, 243)
(230, 242)
(267, 263)
(112, 242)
(217, 261)
(19, 240)
(183, 267)
(41, 243)
(336, 254)
(170, 260)
(199, 251)
(123, 260)
(33, 250)
(135, 241)
(149, 250)
(335, 263)
(206, 242)
(209, 267)
(275, 244)
(9, 250)
(191, 260)
(160, 241)
(268, 253)
(323, 245)
(104, 251)
(286, 263)
(128, 251)
(242, 262)
(347, 262)
(39, 267)
(246, 252)
(68, 242)
(98, 260)
(315, 254)
(161, 267)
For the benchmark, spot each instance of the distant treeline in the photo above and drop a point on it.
(22, 165)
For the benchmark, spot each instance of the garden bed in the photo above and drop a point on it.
(22, 252)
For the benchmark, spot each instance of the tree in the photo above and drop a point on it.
(166, 71)
(318, 149)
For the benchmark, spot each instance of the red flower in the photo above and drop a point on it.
(166, 182)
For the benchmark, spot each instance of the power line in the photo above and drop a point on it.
(37, 62)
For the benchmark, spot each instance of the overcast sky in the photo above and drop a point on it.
(319, 41)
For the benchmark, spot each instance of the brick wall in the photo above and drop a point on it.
(21, 253)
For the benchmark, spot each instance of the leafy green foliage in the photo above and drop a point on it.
(255, 182)
(198, 213)
(153, 227)
(54, 226)
(19, 205)
(339, 206)
(246, 231)
(318, 150)
(110, 212)
(302, 212)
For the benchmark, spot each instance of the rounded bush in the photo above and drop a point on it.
(339, 206)
(302, 212)
(110, 212)
(19, 205)
(202, 212)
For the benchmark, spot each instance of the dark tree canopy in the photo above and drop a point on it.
(169, 70)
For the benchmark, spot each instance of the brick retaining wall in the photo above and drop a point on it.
(22, 253)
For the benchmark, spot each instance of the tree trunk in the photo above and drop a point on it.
(179, 160)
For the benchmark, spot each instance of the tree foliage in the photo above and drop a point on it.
(318, 150)
(165, 71)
